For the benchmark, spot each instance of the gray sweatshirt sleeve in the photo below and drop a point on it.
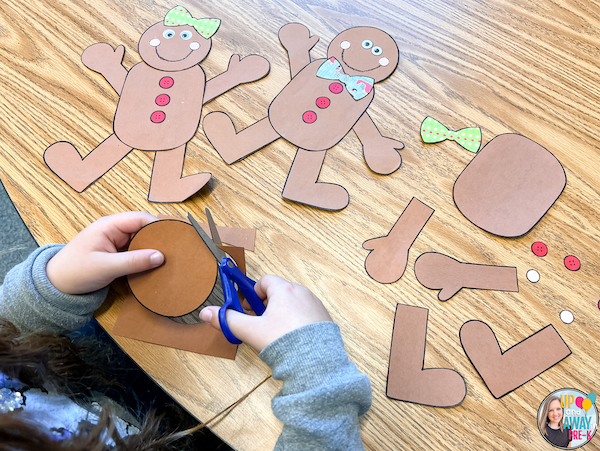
(32, 304)
(323, 392)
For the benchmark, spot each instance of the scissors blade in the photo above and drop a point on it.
(213, 228)
(217, 253)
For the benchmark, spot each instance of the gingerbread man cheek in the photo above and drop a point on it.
(314, 113)
(159, 110)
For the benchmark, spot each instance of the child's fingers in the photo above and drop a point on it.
(269, 283)
(240, 325)
(124, 263)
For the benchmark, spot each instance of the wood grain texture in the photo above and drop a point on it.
(506, 66)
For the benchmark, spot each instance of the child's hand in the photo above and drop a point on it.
(289, 306)
(91, 260)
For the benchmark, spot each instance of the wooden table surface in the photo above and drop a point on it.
(506, 66)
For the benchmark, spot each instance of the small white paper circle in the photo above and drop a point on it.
(194, 45)
(566, 316)
(345, 44)
(533, 276)
(155, 42)
(384, 61)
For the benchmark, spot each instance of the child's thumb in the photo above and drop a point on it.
(239, 323)
(124, 263)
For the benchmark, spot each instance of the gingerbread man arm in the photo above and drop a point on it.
(297, 42)
(103, 59)
(380, 152)
(239, 71)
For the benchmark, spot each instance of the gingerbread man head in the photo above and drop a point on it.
(179, 42)
(365, 51)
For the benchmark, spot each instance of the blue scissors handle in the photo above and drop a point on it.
(230, 274)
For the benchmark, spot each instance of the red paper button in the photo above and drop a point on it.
(323, 102)
(539, 249)
(166, 82)
(162, 100)
(572, 263)
(157, 117)
(309, 117)
(336, 87)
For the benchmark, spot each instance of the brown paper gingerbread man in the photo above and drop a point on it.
(324, 100)
(160, 104)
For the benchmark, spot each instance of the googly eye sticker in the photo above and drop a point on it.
(367, 44)
(168, 34)
(185, 35)
(376, 51)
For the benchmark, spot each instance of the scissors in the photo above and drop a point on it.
(230, 276)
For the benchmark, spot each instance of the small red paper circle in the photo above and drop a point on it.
(162, 100)
(157, 117)
(572, 263)
(336, 87)
(309, 117)
(166, 82)
(323, 102)
(539, 249)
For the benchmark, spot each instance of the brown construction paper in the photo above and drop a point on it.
(313, 116)
(440, 272)
(503, 372)
(387, 260)
(407, 379)
(159, 109)
(234, 236)
(139, 323)
(509, 185)
(188, 275)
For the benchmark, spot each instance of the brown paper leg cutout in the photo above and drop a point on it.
(66, 162)
(232, 146)
(302, 186)
(438, 271)
(387, 260)
(166, 184)
(503, 372)
(407, 379)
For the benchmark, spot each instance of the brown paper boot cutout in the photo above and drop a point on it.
(407, 379)
(387, 260)
(166, 184)
(79, 173)
(503, 372)
(232, 146)
(438, 271)
(302, 186)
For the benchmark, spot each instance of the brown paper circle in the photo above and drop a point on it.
(509, 186)
(186, 278)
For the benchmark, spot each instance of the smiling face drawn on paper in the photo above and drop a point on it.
(173, 48)
(365, 51)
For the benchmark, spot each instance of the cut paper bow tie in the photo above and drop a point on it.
(433, 131)
(358, 86)
(180, 16)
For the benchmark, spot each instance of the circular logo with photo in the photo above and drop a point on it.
(568, 418)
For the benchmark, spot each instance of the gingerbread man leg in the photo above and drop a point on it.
(302, 186)
(233, 146)
(79, 173)
(166, 184)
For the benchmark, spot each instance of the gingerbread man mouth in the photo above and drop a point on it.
(358, 70)
(174, 61)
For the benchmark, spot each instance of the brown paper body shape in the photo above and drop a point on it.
(503, 372)
(315, 113)
(387, 260)
(407, 379)
(137, 322)
(509, 185)
(440, 272)
(159, 109)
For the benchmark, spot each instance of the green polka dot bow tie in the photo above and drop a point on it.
(180, 16)
(433, 131)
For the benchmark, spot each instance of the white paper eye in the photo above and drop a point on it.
(345, 45)
(168, 34)
(367, 44)
(194, 45)
(155, 42)
(185, 35)
(384, 61)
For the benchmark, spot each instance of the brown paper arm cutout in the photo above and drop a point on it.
(246, 70)
(297, 42)
(381, 153)
(234, 236)
(388, 258)
(408, 380)
(107, 62)
(503, 372)
(438, 271)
